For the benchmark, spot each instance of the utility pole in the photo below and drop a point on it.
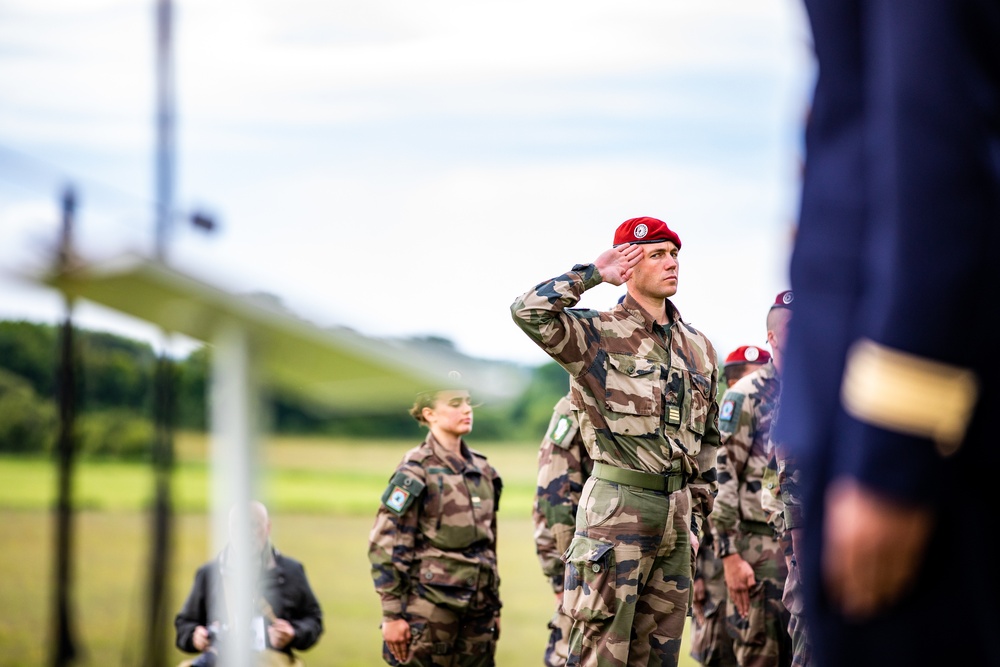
(157, 622)
(164, 126)
(64, 649)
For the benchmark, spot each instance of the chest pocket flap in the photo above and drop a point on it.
(632, 386)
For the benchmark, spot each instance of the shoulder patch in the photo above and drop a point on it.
(403, 489)
(729, 412)
(560, 429)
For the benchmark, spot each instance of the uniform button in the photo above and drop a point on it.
(470, 580)
(428, 575)
(596, 567)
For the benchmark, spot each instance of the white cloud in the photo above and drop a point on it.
(410, 168)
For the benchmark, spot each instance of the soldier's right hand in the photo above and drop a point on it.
(615, 264)
(396, 634)
(739, 580)
(698, 601)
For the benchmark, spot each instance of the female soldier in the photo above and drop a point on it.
(433, 545)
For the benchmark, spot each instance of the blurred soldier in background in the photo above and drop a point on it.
(563, 466)
(744, 359)
(433, 546)
(890, 391)
(644, 385)
(711, 644)
(781, 498)
(752, 557)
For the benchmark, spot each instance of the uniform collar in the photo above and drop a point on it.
(632, 307)
(457, 462)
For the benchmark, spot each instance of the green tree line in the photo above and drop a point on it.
(115, 378)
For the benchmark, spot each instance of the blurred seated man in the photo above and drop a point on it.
(286, 614)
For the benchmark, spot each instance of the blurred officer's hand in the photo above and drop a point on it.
(873, 548)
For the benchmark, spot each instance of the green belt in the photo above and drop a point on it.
(757, 527)
(669, 481)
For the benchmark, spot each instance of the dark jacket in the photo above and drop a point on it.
(284, 586)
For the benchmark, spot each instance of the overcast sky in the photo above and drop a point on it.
(409, 168)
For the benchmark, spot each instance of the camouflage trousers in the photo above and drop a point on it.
(557, 648)
(445, 637)
(792, 599)
(711, 644)
(628, 576)
(761, 639)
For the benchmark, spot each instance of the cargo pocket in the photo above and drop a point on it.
(753, 629)
(599, 502)
(447, 583)
(589, 591)
(632, 394)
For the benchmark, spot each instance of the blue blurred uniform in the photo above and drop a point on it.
(897, 244)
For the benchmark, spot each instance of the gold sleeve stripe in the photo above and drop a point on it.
(909, 394)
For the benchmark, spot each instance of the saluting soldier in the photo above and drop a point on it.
(433, 545)
(563, 466)
(643, 384)
(752, 556)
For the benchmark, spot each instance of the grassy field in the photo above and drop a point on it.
(323, 496)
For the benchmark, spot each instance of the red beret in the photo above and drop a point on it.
(783, 300)
(748, 354)
(645, 230)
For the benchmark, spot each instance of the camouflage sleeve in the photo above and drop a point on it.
(497, 491)
(705, 487)
(392, 538)
(548, 552)
(563, 466)
(770, 492)
(789, 484)
(542, 314)
(736, 424)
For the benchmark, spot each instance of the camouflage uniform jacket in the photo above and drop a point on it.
(745, 421)
(644, 393)
(435, 531)
(563, 466)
